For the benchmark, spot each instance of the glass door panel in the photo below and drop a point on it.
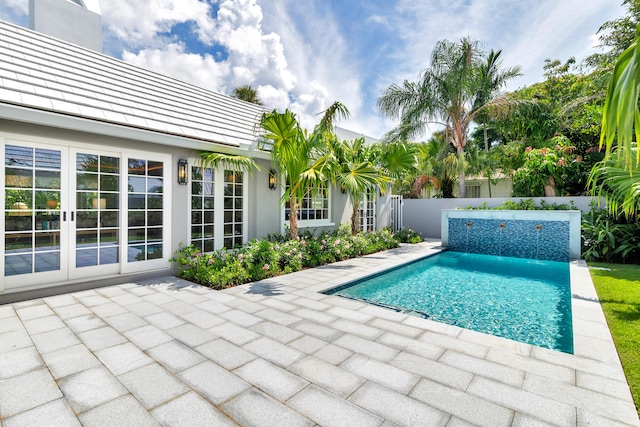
(33, 240)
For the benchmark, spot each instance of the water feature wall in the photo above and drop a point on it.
(545, 235)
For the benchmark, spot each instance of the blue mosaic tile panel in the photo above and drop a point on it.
(545, 240)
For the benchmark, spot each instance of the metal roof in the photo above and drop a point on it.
(42, 73)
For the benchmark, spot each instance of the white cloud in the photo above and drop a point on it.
(16, 11)
(201, 70)
(139, 23)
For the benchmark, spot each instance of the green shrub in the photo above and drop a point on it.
(407, 235)
(608, 238)
(260, 259)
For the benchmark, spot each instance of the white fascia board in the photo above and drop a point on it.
(45, 118)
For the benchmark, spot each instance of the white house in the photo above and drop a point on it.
(100, 178)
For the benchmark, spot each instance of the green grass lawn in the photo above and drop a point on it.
(618, 287)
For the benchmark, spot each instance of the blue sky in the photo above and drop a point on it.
(306, 54)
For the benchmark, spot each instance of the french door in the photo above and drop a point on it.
(77, 213)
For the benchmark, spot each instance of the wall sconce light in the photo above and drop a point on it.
(343, 189)
(272, 179)
(182, 172)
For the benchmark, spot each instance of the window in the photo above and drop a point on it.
(145, 208)
(367, 211)
(202, 208)
(233, 209)
(314, 206)
(32, 210)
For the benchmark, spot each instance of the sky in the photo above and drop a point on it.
(306, 54)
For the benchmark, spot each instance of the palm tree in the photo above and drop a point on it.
(300, 156)
(617, 178)
(436, 167)
(359, 168)
(449, 94)
(247, 93)
(492, 79)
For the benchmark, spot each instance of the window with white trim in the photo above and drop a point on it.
(314, 206)
(234, 229)
(473, 191)
(367, 211)
(202, 208)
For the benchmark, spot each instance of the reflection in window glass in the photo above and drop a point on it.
(233, 203)
(145, 185)
(31, 210)
(97, 206)
(202, 210)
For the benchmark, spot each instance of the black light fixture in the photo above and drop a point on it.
(182, 172)
(272, 179)
(343, 188)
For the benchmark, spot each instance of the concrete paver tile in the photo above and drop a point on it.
(123, 358)
(98, 339)
(191, 410)
(144, 308)
(278, 317)
(72, 310)
(275, 381)
(397, 407)
(581, 398)
(333, 354)
(27, 391)
(274, 351)
(18, 362)
(529, 364)
(125, 322)
(10, 323)
(54, 340)
(60, 300)
(487, 369)
(348, 313)
(613, 388)
(108, 310)
(53, 414)
(90, 388)
(411, 345)
(7, 311)
(117, 413)
(368, 348)
(396, 327)
(462, 405)
(356, 328)
(461, 346)
(164, 320)
(427, 368)
(14, 340)
(191, 335)
(148, 336)
(153, 385)
(549, 410)
(178, 307)
(241, 318)
(253, 408)
(84, 323)
(327, 409)
(381, 373)
(175, 356)
(588, 418)
(203, 319)
(213, 382)
(70, 360)
(225, 354)
(332, 378)
(308, 344)
(234, 333)
(317, 330)
(43, 324)
(275, 331)
(35, 311)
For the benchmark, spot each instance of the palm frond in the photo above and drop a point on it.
(238, 163)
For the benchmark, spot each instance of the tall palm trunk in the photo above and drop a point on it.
(355, 217)
(461, 177)
(293, 218)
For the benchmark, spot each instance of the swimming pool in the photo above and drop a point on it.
(520, 299)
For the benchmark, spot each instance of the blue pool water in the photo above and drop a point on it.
(520, 299)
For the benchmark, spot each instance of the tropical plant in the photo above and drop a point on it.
(619, 184)
(208, 159)
(609, 238)
(247, 93)
(302, 158)
(451, 93)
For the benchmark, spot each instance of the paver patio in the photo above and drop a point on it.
(278, 352)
